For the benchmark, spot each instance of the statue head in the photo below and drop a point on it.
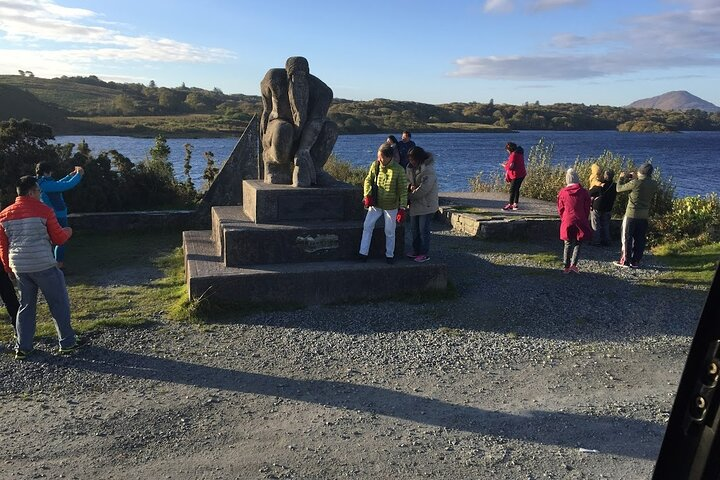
(295, 65)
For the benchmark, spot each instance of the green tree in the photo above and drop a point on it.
(22, 145)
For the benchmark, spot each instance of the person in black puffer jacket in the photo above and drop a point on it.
(603, 199)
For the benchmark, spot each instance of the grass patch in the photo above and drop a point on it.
(688, 266)
(118, 280)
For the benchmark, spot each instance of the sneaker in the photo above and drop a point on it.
(411, 255)
(515, 206)
(389, 260)
(21, 354)
(508, 207)
(620, 264)
(634, 265)
(566, 270)
(422, 258)
(362, 258)
(70, 350)
(574, 269)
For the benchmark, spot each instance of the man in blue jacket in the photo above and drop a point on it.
(52, 197)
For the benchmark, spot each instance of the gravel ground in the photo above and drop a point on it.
(527, 374)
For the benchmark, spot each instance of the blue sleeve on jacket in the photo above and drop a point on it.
(49, 185)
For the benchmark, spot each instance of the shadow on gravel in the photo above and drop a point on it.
(608, 435)
(603, 302)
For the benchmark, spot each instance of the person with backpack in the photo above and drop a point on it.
(603, 199)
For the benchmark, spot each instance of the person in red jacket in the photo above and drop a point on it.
(573, 205)
(27, 229)
(514, 173)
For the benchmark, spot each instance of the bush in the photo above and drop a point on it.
(692, 220)
(343, 171)
(545, 178)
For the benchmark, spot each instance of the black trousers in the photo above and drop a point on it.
(515, 190)
(9, 297)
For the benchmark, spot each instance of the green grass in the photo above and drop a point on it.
(688, 265)
(118, 280)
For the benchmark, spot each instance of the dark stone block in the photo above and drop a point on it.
(242, 242)
(271, 203)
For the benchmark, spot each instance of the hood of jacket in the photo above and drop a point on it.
(573, 189)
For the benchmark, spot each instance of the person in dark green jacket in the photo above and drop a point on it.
(642, 188)
(388, 179)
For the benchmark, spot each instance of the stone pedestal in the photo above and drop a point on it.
(267, 203)
(288, 244)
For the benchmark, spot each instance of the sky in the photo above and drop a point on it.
(606, 52)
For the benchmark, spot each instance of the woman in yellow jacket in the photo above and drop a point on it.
(385, 195)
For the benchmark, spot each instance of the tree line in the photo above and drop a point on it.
(90, 97)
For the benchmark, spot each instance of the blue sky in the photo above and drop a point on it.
(607, 52)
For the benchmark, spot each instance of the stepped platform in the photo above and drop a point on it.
(303, 283)
(297, 245)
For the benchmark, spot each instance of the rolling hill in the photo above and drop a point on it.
(677, 100)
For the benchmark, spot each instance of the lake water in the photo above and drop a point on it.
(690, 158)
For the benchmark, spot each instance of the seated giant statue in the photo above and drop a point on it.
(297, 137)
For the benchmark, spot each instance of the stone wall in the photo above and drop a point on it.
(143, 220)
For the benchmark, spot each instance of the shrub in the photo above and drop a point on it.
(691, 219)
(545, 178)
(343, 171)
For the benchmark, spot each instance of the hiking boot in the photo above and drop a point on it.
(422, 258)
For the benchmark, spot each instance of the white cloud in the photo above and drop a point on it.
(499, 6)
(684, 37)
(29, 22)
(541, 5)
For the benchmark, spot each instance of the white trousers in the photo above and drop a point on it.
(371, 218)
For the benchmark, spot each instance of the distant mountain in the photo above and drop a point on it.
(678, 100)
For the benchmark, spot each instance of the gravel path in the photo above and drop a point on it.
(528, 373)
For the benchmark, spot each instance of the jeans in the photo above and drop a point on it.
(420, 226)
(600, 222)
(51, 283)
(571, 252)
(634, 231)
(372, 216)
(515, 190)
(59, 250)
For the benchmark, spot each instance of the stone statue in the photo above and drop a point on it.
(297, 136)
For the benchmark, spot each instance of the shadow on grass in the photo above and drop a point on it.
(607, 434)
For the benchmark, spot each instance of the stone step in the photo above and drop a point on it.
(242, 242)
(301, 283)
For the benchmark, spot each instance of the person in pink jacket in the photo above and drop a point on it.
(514, 173)
(574, 208)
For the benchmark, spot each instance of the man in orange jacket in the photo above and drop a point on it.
(28, 227)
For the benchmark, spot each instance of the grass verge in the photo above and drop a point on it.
(118, 280)
(692, 266)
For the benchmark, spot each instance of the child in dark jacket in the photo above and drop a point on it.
(603, 199)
